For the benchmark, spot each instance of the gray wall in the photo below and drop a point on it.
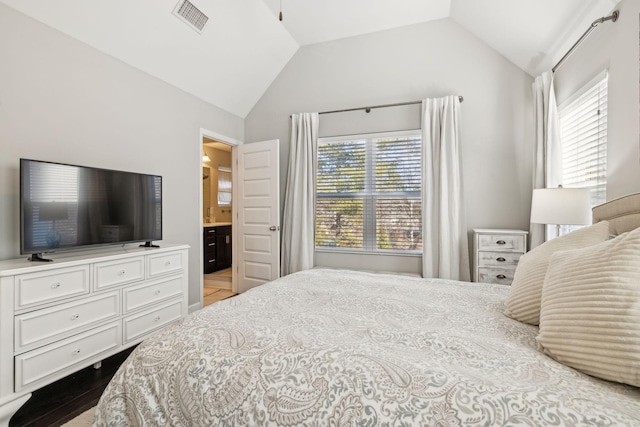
(63, 101)
(408, 64)
(613, 46)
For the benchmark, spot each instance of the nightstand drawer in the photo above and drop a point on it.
(503, 276)
(496, 253)
(501, 242)
(498, 259)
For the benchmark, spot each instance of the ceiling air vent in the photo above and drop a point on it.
(190, 14)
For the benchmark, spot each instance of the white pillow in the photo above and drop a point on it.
(590, 315)
(523, 303)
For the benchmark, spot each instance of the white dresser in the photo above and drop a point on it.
(62, 316)
(496, 254)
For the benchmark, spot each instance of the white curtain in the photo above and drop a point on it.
(298, 224)
(547, 160)
(445, 251)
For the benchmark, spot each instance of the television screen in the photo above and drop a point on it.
(66, 206)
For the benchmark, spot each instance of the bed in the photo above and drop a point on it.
(343, 348)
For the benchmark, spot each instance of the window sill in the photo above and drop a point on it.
(415, 254)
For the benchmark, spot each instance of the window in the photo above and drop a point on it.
(224, 186)
(583, 127)
(369, 193)
(583, 132)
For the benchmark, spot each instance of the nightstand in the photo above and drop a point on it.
(496, 253)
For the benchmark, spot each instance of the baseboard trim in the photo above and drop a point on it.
(195, 307)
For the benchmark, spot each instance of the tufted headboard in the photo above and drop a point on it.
(622, 213)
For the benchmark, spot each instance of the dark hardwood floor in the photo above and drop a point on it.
(67, 398)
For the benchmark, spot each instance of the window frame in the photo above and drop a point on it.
(369, 196)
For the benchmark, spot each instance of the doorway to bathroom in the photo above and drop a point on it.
(217, 219)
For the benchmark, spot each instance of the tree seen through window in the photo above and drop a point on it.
(369, 193)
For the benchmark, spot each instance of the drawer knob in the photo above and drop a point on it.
(157, 292)
(501, 242)
(167, 263)
(501, 276)
(157, 319)
(55, 285)
(76, 351)
(500, 259)
(75, 317)
(121, 273)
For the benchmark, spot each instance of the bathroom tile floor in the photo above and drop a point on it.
(217, 286)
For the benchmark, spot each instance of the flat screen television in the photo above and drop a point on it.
(65, 207)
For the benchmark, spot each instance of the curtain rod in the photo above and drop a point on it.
(368, 109)
(613, 18)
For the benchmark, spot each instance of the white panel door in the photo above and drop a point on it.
(258, 214)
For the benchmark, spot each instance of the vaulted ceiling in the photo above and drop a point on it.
(244, 46)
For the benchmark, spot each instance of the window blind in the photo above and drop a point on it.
(368, 193)
(224, 186)
(583, 125)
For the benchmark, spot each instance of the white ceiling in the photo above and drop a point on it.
(311, 22)
(244, 46)
(533, 34)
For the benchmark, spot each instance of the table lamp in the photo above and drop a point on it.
(561, 206)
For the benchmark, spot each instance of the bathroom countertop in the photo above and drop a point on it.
(215, 224)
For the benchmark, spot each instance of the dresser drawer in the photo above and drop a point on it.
(35, 289)
(115, 273)
(498, 259)
(44, 326)
(137, 326)
(503, 276)
(501, 242)
(57, 360)
(143, 295)
(165, 263)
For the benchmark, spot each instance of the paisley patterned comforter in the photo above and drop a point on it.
(344, 348)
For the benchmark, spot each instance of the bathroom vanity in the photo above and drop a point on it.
(217, 246)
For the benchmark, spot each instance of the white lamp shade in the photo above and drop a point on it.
(564, 206)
